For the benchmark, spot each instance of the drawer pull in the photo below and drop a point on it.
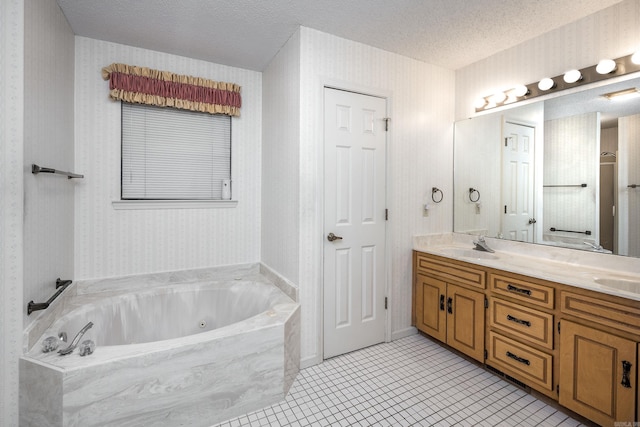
(441, 302)
(449, 306)
(512, 288)
(626, 369)
(517, 358)
(518, 321)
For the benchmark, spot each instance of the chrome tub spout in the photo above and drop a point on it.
(76, 340)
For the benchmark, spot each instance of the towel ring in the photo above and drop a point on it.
(471, 191)
(435, 190)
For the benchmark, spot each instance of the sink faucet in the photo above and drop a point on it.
(596, 248)
(481, 245)
(76, 340)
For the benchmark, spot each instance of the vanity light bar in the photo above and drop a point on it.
(574, 78)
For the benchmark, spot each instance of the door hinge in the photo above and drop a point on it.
(486, 355)
(505, 208)
(486, 302)
(386, 214)
(386, 303)
(386, 123)
(558, 327)
(506, 141)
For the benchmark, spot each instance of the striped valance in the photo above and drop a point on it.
(163, 88)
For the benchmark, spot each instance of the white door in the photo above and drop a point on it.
(354, 197)
(517, 182)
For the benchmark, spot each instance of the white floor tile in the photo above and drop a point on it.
(412, 381)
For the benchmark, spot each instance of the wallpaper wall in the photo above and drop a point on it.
(610, 33)
(419, 157)
(11, 207)
(111, 242)
(48, 142)
(281, 161)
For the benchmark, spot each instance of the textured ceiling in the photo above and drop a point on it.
(248, 33)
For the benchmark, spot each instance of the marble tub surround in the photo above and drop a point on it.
(281, 282)
(197, 379)
(584, 269)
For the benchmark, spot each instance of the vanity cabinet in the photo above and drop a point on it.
(577, 346)
(447, 307)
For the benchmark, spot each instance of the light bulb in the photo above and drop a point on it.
(572, 76)
(606, 66)
(546, 84)
(499, 97)
(480, 103)
(520, 90)
(635, 58)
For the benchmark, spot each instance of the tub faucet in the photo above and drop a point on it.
(481, 245)
(76, 340)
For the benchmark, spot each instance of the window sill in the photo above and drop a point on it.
(173, 204)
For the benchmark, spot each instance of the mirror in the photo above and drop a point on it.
(562, 172)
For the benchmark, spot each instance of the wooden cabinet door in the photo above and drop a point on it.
(465, 321)
(431, 306)
(593, 381)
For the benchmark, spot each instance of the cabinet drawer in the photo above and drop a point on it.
(523, 290)
(448, 272)
(521, 361)
(619, 316)
(523, 322)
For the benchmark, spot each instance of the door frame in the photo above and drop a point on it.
(328, 83)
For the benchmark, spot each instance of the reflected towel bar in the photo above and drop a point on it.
(35, 169)
(633, 185)
(61, 285)
(575, 185)
(588, 233)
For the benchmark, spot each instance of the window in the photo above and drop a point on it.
(171, 154)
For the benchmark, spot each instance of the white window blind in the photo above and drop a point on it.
(170, 154)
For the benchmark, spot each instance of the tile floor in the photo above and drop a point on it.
(408, 382)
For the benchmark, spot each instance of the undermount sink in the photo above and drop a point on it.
(468, 253)
(624, 284)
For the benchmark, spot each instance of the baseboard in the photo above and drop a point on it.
(310, 361)
(396, 335)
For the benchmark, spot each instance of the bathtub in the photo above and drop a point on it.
(175, 349)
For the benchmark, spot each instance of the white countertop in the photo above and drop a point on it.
(606, 273)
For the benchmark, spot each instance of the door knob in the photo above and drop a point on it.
(532, 221)
(331, 237)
